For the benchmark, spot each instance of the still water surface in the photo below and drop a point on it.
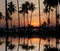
(35, 42)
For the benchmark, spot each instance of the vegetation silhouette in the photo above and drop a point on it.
(1, 16)
(11, 9)
(25, 7)
(43, 31)
(31, 8)
(11, 46)
(54, 4)
(47, 48)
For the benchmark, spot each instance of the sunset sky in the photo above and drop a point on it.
(35, 19)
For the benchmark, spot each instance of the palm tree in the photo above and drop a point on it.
(1, 16)
(54, 4)
(23, 11)
(28, 6)
(32, 8)
(11, 10)
(18, 24)
(39, 12)
(18, 13)
(39, 22)
(57, 13)
(46, 10)
(6, 25)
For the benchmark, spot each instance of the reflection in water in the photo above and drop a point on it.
(35, 42)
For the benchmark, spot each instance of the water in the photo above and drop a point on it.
(35, 42)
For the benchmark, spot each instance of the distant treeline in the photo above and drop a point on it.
(30, 31)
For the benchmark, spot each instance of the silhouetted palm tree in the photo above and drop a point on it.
(54, 4)
(46, 10)
(1, 16)
(39, 23)
(39, 12)
(32, 8)
(28, 6)
(11, 46)
(6, 25)
(18, 13)
(23, 11)
(18, 24)
(11, 10)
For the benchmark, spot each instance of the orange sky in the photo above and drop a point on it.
(35, 19)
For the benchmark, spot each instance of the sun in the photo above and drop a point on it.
(35, 24)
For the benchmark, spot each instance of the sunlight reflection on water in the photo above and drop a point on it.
(35, 42)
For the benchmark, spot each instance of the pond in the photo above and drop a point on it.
(35, 43)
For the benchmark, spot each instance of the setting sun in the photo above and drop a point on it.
(35, 24)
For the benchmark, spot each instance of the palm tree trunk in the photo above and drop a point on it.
(18, 43)
(39, 13)
(48, 26)
(18, 24)
(56, 17)
(39, 43)
(11, 41)
(11, 21)
(56, 24)
(18, 13)
(49, 17)
(6, 25)
(39, 22)
(24, 18)
(0, 22)
(31, 18)
(27, 20)
(58, 13)
(24, 26)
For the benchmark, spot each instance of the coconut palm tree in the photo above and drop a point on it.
(39, 23)
(6, 25)
(11, 9)
(46, 10)
(28, 6)
(18, 24)
(32, 8)
(39, 12)
(23, 11)
(54, 4)
(1, 16)
(18, 13)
